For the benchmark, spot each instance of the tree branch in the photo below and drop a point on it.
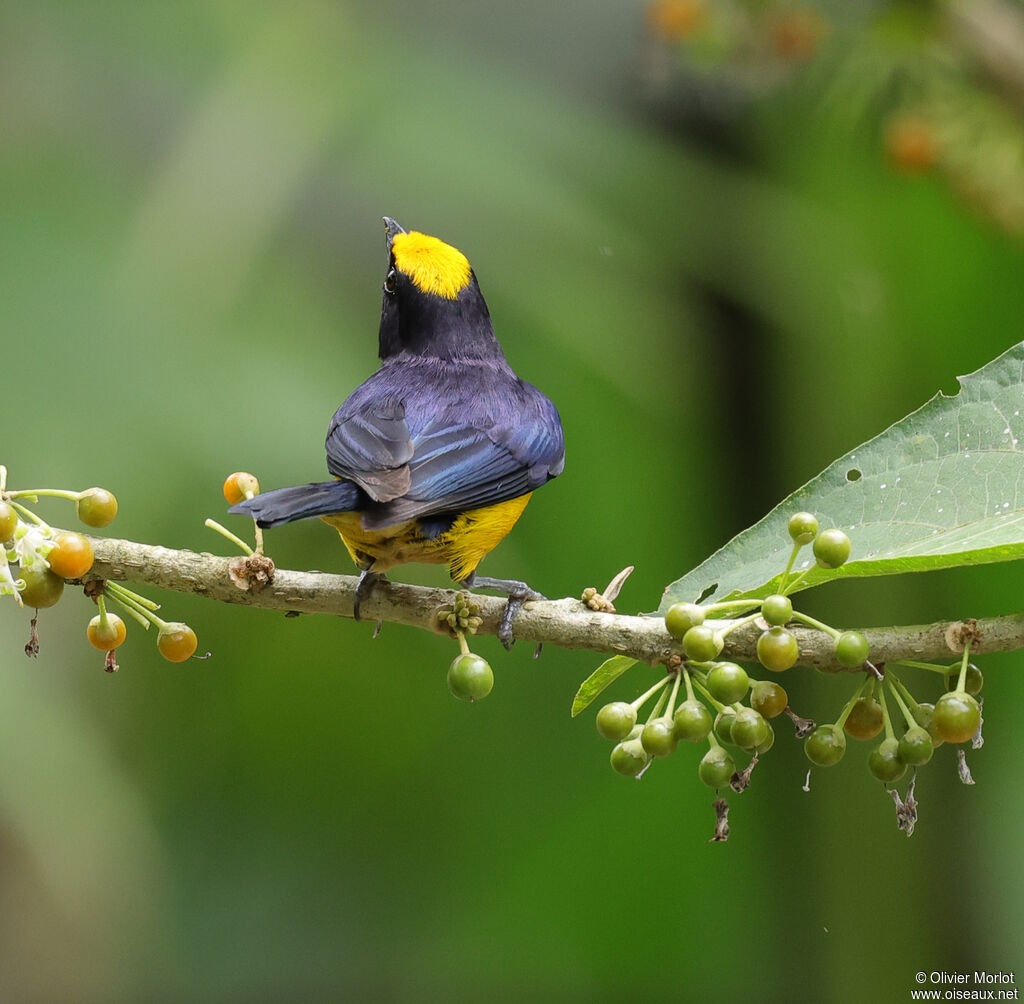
(566, 623)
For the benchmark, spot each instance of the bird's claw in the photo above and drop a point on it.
(517, 592)
(364, 587)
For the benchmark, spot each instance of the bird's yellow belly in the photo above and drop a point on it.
(462, 547)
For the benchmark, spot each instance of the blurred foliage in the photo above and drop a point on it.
(720, 304)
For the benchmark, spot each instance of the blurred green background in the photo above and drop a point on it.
(723, 288)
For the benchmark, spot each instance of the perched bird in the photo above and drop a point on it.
(435, 455)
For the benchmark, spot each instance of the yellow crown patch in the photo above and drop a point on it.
(435, 267)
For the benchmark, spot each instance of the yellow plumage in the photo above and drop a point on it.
(462, 547)
(435, 267)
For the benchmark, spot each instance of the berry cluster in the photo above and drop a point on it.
(37, 560)
(725, 707)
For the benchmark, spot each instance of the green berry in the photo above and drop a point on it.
(803, 527)
(768, 743)
(470, 678)
(8, 522)
(825, 746)
(629, 758)
(916, 747)
(692, 721)
(973, 681)
(96, 507)
(716, 768)
(885, 763)
(777, 610)
(659, 737)
(768, 698)
(956, 717)
(680, 617)
(728, 682)
(924, 715)
(777, 650)
(831, 548)
(615, 720)
(851, 649)
(723, 725)
(42, 588)
(865, 719)
(749, 730)
(700, 644)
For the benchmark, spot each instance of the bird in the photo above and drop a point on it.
(435, 456)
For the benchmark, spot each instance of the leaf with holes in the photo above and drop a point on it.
(941, 488)
(605, 674)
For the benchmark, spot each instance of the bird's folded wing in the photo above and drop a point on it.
(372, 447)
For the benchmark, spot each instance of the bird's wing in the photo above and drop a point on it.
(368, 442)
(458, 466)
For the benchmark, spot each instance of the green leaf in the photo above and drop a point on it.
(941, 488)
(608, 672)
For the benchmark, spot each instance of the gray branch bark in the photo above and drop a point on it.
(566, 623)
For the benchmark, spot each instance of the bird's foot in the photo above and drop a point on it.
(517, 592)
(367, 580)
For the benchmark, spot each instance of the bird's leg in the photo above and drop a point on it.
(517, 592)
(364, 587)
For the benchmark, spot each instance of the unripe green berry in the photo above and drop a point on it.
(768, 698)
(42, 587)
(803, 527)
(615, 720)
(470, 678)
(680, 617)
(825, 746)
(924, 715)
(956, 717)
(659, 737)
(831, 548)
(777, 650)
(728, 682)
(716, 768)
(749, 730)
(916, 747)
(865, 719)
(885, 763)
(629, 758)
(723, 725)
(851, 649)
(777, 610)
(692, 721)
(973, 681)
(768, 743)
(700, 644)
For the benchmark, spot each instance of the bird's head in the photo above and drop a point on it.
(432, 302)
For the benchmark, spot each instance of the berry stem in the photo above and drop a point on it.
(731, 605)
(130, 610)
(814, 623)
(212, 524)
(907, 695)
(889, 731)
(792, 587)
(841, 720)
(102, 604)
(647, 695)
(3, 480)
(717, 705)
(130, 600)
(961, 683)
(658, 705)
(34, 493)
(689, 685)
(672, 697)
(913, 664)
(907, 716)
(720, 635)
(463, 644)
(789, 567)
(118, 587)
(30, 515)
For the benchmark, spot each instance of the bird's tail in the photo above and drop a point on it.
(285, 505)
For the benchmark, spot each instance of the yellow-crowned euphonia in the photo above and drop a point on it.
(435, 455)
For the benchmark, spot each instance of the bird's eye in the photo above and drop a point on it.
(390, 283)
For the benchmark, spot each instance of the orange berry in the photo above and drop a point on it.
(71, 556)
(106, 637)
(177, 642)
(240, 485)
(910, 144)
(8, 522)
(674, 19)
